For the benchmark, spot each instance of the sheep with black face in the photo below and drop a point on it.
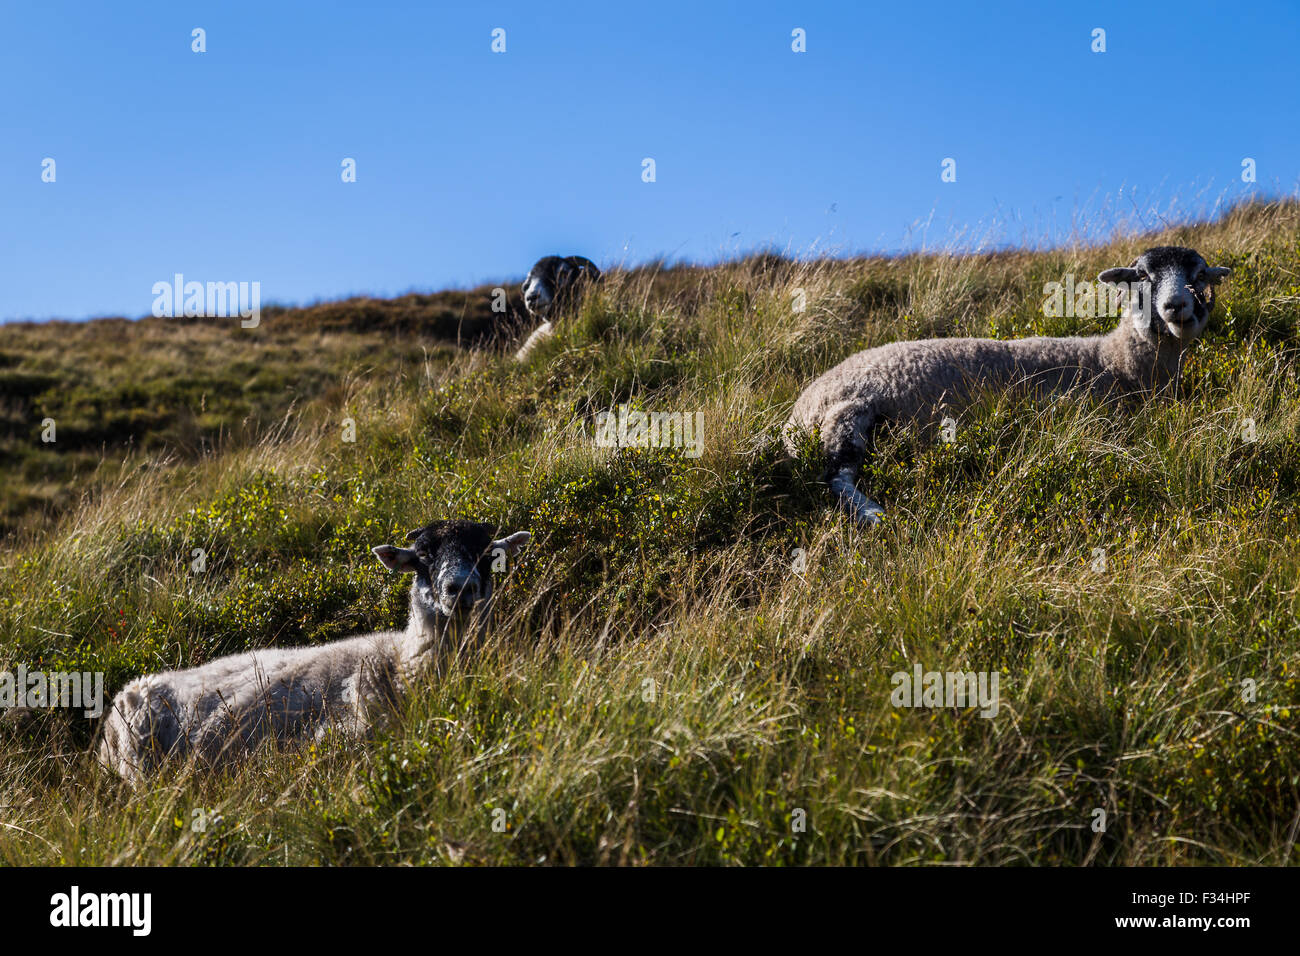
(225, 708)
(1170, 292)
(553, 285)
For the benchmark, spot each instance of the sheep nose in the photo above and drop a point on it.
(464, 591)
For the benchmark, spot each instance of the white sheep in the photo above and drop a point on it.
(904, 381)
(223, 709)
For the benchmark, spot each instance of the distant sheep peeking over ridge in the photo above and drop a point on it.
(1167, 308)
(225, 708)
(553, 284)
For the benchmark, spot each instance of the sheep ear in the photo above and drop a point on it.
(1120, 274)
(512, 544)
(413, 534)
(1215, 273)
(395, 559)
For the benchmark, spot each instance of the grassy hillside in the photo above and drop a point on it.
(181, 388)
(667, 684)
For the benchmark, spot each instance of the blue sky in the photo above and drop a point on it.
(225, 165)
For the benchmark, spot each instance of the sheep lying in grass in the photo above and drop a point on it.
(223, 709)
(904, 381)
(553, 284)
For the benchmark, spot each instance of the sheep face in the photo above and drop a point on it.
(452, 562)
(552, 279)
(1171, 290)
(539, 290)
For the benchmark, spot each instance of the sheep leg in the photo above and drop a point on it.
(845, 454)
(540, 335)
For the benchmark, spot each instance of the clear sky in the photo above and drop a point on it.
(225, 165)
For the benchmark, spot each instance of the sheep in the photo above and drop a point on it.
(552, 284)
(902, 381)
(223, 709)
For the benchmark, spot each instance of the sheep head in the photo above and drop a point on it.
(1171, 284)
(554, 280)
(453, 563)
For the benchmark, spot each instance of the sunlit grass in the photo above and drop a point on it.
(694, 654)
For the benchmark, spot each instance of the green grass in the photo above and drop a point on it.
(663, 686)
